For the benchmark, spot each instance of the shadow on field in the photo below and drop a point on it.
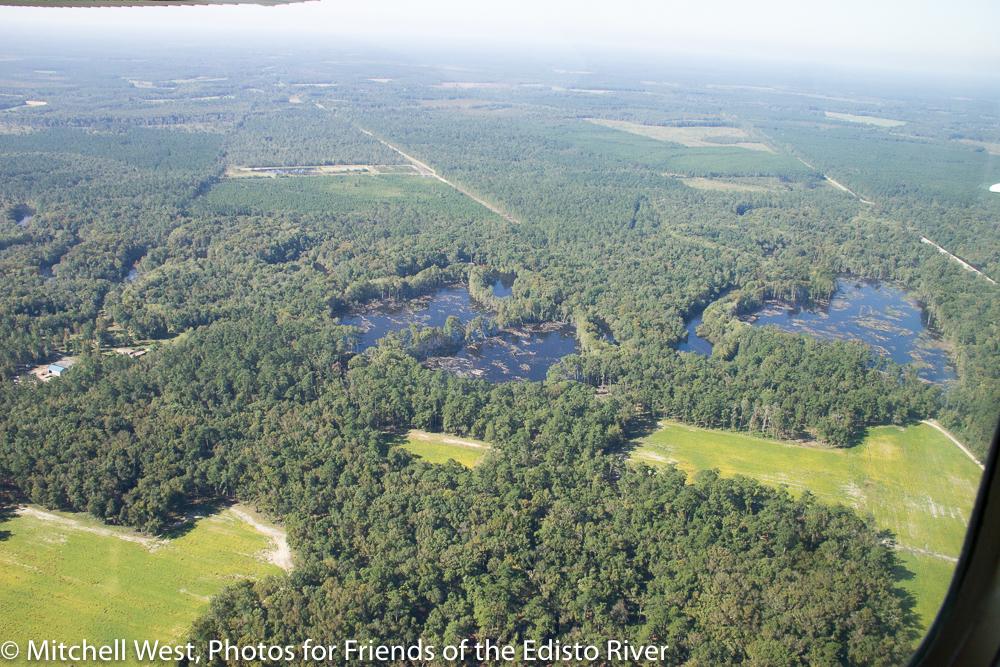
(388, 440)
(6, 514)
(193, 513)
(636, 427)
(907, 600)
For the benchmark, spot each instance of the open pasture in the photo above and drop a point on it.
(912, 480)
(68, 576)
(441, 448)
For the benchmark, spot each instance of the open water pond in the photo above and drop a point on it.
(516, 353)
(877, 314)
(693, 342)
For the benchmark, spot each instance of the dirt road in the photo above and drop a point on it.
(934, 423)
(426, 170)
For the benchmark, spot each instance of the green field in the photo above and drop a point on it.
(913, 481)
(69, 577)
(441, 448)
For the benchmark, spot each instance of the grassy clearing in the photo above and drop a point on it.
(865, 120)
(707, 136)
(69, 576)
(925, 578)
(441, 448)
(913, 481)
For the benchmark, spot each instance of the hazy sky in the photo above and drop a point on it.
(922, 35)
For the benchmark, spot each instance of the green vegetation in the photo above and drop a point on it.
(110, 583)
(336, 194)
(913, 480)
(723, 160)
(441, 448)
(262, 397)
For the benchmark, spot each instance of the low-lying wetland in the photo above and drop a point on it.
(522, 352)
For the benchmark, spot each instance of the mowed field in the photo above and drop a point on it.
(69, 576)
(702, 136)
(912, 480)
(441, 448)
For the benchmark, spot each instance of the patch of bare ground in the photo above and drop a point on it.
(702, 136)
(280, 553)
(320, 170)
(150, 543)
(734, 184)
(864, 120)
(447, 439)
(473, 85)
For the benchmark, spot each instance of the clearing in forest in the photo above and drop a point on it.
(865, 120)
(991, 147)
(441, 448)
(66, 576)
(706, 136)
(912, 480)
(321, 170)
(738, 184)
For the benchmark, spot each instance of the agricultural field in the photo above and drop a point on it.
(707, 159)
(441, 448)
(706, 136)
(112, 582)
(865, 120)
(912, 480)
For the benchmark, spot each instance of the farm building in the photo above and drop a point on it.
(56, 369)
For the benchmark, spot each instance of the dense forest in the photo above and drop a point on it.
(119, 228)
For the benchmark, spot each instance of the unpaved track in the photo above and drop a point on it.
(150, 543)
(426, 170)
(925, 552)
(280, 553)
(965, 265)
(838, 184)
(923, 239)
(934, 423)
